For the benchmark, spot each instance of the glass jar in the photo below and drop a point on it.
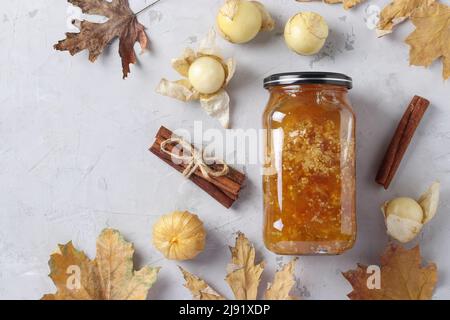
(309, 171)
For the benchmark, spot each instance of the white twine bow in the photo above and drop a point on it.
(195, 159)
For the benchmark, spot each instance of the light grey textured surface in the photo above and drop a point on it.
(74, 139)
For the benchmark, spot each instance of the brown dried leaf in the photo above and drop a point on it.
(347, 4)
(397, 12)
(402, 277)
(110, 276)
(199, 288)
(282, 284)
(122, 23)
(244, 277)
(431, 39)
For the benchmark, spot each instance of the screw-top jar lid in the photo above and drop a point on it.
(293, 78)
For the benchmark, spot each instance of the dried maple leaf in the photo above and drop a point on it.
(402, 277)
(282, 283)
(244, 277)
(397, 12)
(347, 4)
(431, 39)
(110, 276)
(122, 23)
(199, 288)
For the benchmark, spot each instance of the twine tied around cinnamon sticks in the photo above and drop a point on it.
(225, 189)
(195, 160)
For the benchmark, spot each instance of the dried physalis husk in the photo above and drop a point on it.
(429, 201)
(179, 235)
(405, 217)
(206, 75)
(268, 23)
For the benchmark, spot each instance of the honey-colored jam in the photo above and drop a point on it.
(309, 174)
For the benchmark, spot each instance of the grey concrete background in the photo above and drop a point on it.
(74, 139)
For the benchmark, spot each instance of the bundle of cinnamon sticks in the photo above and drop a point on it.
(225, 189)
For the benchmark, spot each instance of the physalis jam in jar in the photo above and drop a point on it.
(309, 171)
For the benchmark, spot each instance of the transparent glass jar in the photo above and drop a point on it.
(309, 171)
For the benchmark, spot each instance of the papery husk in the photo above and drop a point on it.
(179, 235)
(405, 230)
(268, 23)
(182, 64)
(230, 68)
(429, 201)
(218, 107)
(180, 90)
(208, 46)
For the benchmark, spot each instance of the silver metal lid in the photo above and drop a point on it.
(293, 78)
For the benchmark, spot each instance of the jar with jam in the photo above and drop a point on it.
(309, 170)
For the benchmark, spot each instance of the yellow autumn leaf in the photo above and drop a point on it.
(110, 276)
(244, 277)
(282, 284)
(347, 4)
(431, 39)
(199, 288)
(397, 12)
(402, 277)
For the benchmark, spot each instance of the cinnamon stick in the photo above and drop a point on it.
(232, 182)
(225, 183)
(401, 140)
(224, 189)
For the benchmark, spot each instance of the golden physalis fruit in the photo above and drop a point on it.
(306, 33)
(207, 75)
(239, 21)
(405, 217)
(179, 235)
